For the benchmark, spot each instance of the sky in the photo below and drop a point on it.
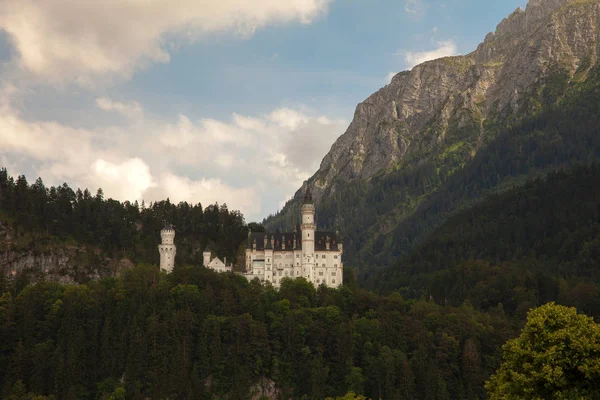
(204, 101)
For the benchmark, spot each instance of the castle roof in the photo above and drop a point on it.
(321, 238)
(216, 262)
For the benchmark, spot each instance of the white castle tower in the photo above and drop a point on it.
(308, 237)
(207, 254)
(167, 249)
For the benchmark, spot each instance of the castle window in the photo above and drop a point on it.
(323, 265)
(335, 265)
(280, 273)
(297, 272)
(323, 256)
(320, 273)
(333, 281)
(335, 256)
(318, 281)
(269, 260)
(297, 255)
(333, 273)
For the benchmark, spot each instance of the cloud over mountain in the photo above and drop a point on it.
(445, 48)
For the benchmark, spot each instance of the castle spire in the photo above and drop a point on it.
(308, 196)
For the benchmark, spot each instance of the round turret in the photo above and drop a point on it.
(167, 234)
(167, 248)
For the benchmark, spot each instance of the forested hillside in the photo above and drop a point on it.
(195, 334)
(42, 217)
(523, 248)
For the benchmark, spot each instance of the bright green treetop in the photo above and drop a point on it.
(349, 396)
(557, 356)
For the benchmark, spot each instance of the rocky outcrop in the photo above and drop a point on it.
(62, 265)
(422, 110)
(59, 262)
(266, 389)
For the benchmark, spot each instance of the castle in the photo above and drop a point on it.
(311, 254)
(305, 252)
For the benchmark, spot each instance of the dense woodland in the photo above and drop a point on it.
(43, 216)
(523, 248)
(195, 334)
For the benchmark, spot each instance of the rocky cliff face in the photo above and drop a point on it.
(425, 110)
(60, 263)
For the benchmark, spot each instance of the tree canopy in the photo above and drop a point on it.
(556, 356)
(196, 334)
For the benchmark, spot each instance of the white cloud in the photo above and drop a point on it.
(445, 49)
(131, 110)
(44, 141)
(415, 7)
(244, 161)
(129, 179)
(208, 191)
(65, 41)
(390, 75)
(287, 118)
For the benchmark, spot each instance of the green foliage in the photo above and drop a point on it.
(348, 396)
(523, 248)
(556, 356)
(196, 334)
(118, 394)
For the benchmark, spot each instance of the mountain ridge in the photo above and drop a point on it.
(496, 85)
(443, 112)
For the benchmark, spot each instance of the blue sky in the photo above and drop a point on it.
(209, 101)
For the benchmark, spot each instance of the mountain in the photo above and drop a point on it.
(407, 141)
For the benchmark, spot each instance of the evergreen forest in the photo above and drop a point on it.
(431, 327)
